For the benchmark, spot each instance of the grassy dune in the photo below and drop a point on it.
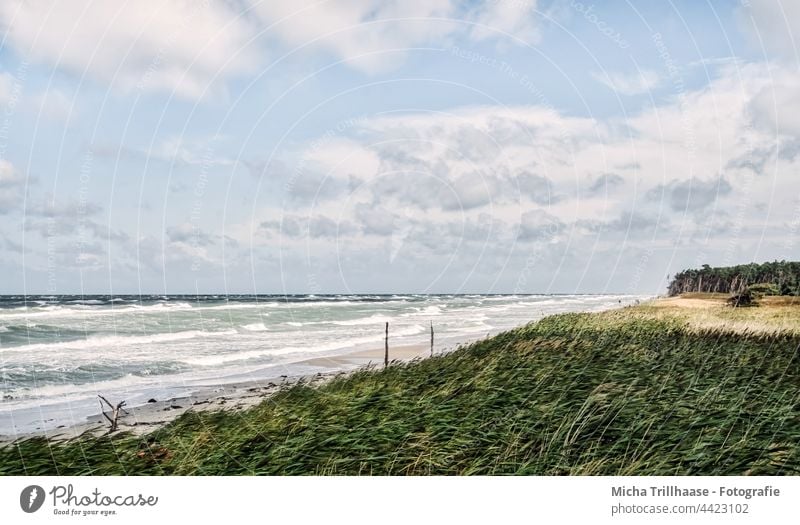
(679, 386)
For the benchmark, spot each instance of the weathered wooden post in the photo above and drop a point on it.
(386, 343)
(431, 338)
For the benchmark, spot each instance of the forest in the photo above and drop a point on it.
(769, 278)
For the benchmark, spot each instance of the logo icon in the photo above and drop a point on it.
(31, 498)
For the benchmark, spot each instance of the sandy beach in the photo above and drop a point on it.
(144, 418)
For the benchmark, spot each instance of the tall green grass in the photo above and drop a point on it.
(621, 393)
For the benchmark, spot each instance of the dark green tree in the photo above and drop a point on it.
(782, 275)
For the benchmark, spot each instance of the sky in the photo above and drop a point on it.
(367, 146)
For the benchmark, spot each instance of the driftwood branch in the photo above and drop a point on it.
(115, 412)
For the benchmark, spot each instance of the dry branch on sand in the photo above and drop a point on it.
(115, 412)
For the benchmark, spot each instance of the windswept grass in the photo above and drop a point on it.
(657, 390)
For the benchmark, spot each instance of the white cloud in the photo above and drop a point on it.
(513, 17)
(178, 45)
(686, 163)
(776, 106)
(191, 46)
(374, 35)
(358, 30)
(773, 25)
(629, 84)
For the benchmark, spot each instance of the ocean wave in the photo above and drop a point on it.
(85, 381)
(158, 307)
(501, 297)
(317, 304)
(432, 310)
(237, 306)
(255, 327)
(89, 311)
(364, 321)
(59, 393)
(116, 341)
(23, 375)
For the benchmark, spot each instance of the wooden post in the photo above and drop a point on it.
(431, 338)
(386, 355)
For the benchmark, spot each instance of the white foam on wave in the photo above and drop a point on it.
(237, 306)
(364, 321)
(116, 341)
(502, 297)
(255, 327)
(432, 310)
(126, 386)
(89, 311)
(316, 304)
(158, 307)
(69, 391)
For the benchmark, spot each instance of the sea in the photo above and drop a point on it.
(57, 353)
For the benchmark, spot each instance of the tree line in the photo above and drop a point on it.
(770, 278)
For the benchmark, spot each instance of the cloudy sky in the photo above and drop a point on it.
(526, 146)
